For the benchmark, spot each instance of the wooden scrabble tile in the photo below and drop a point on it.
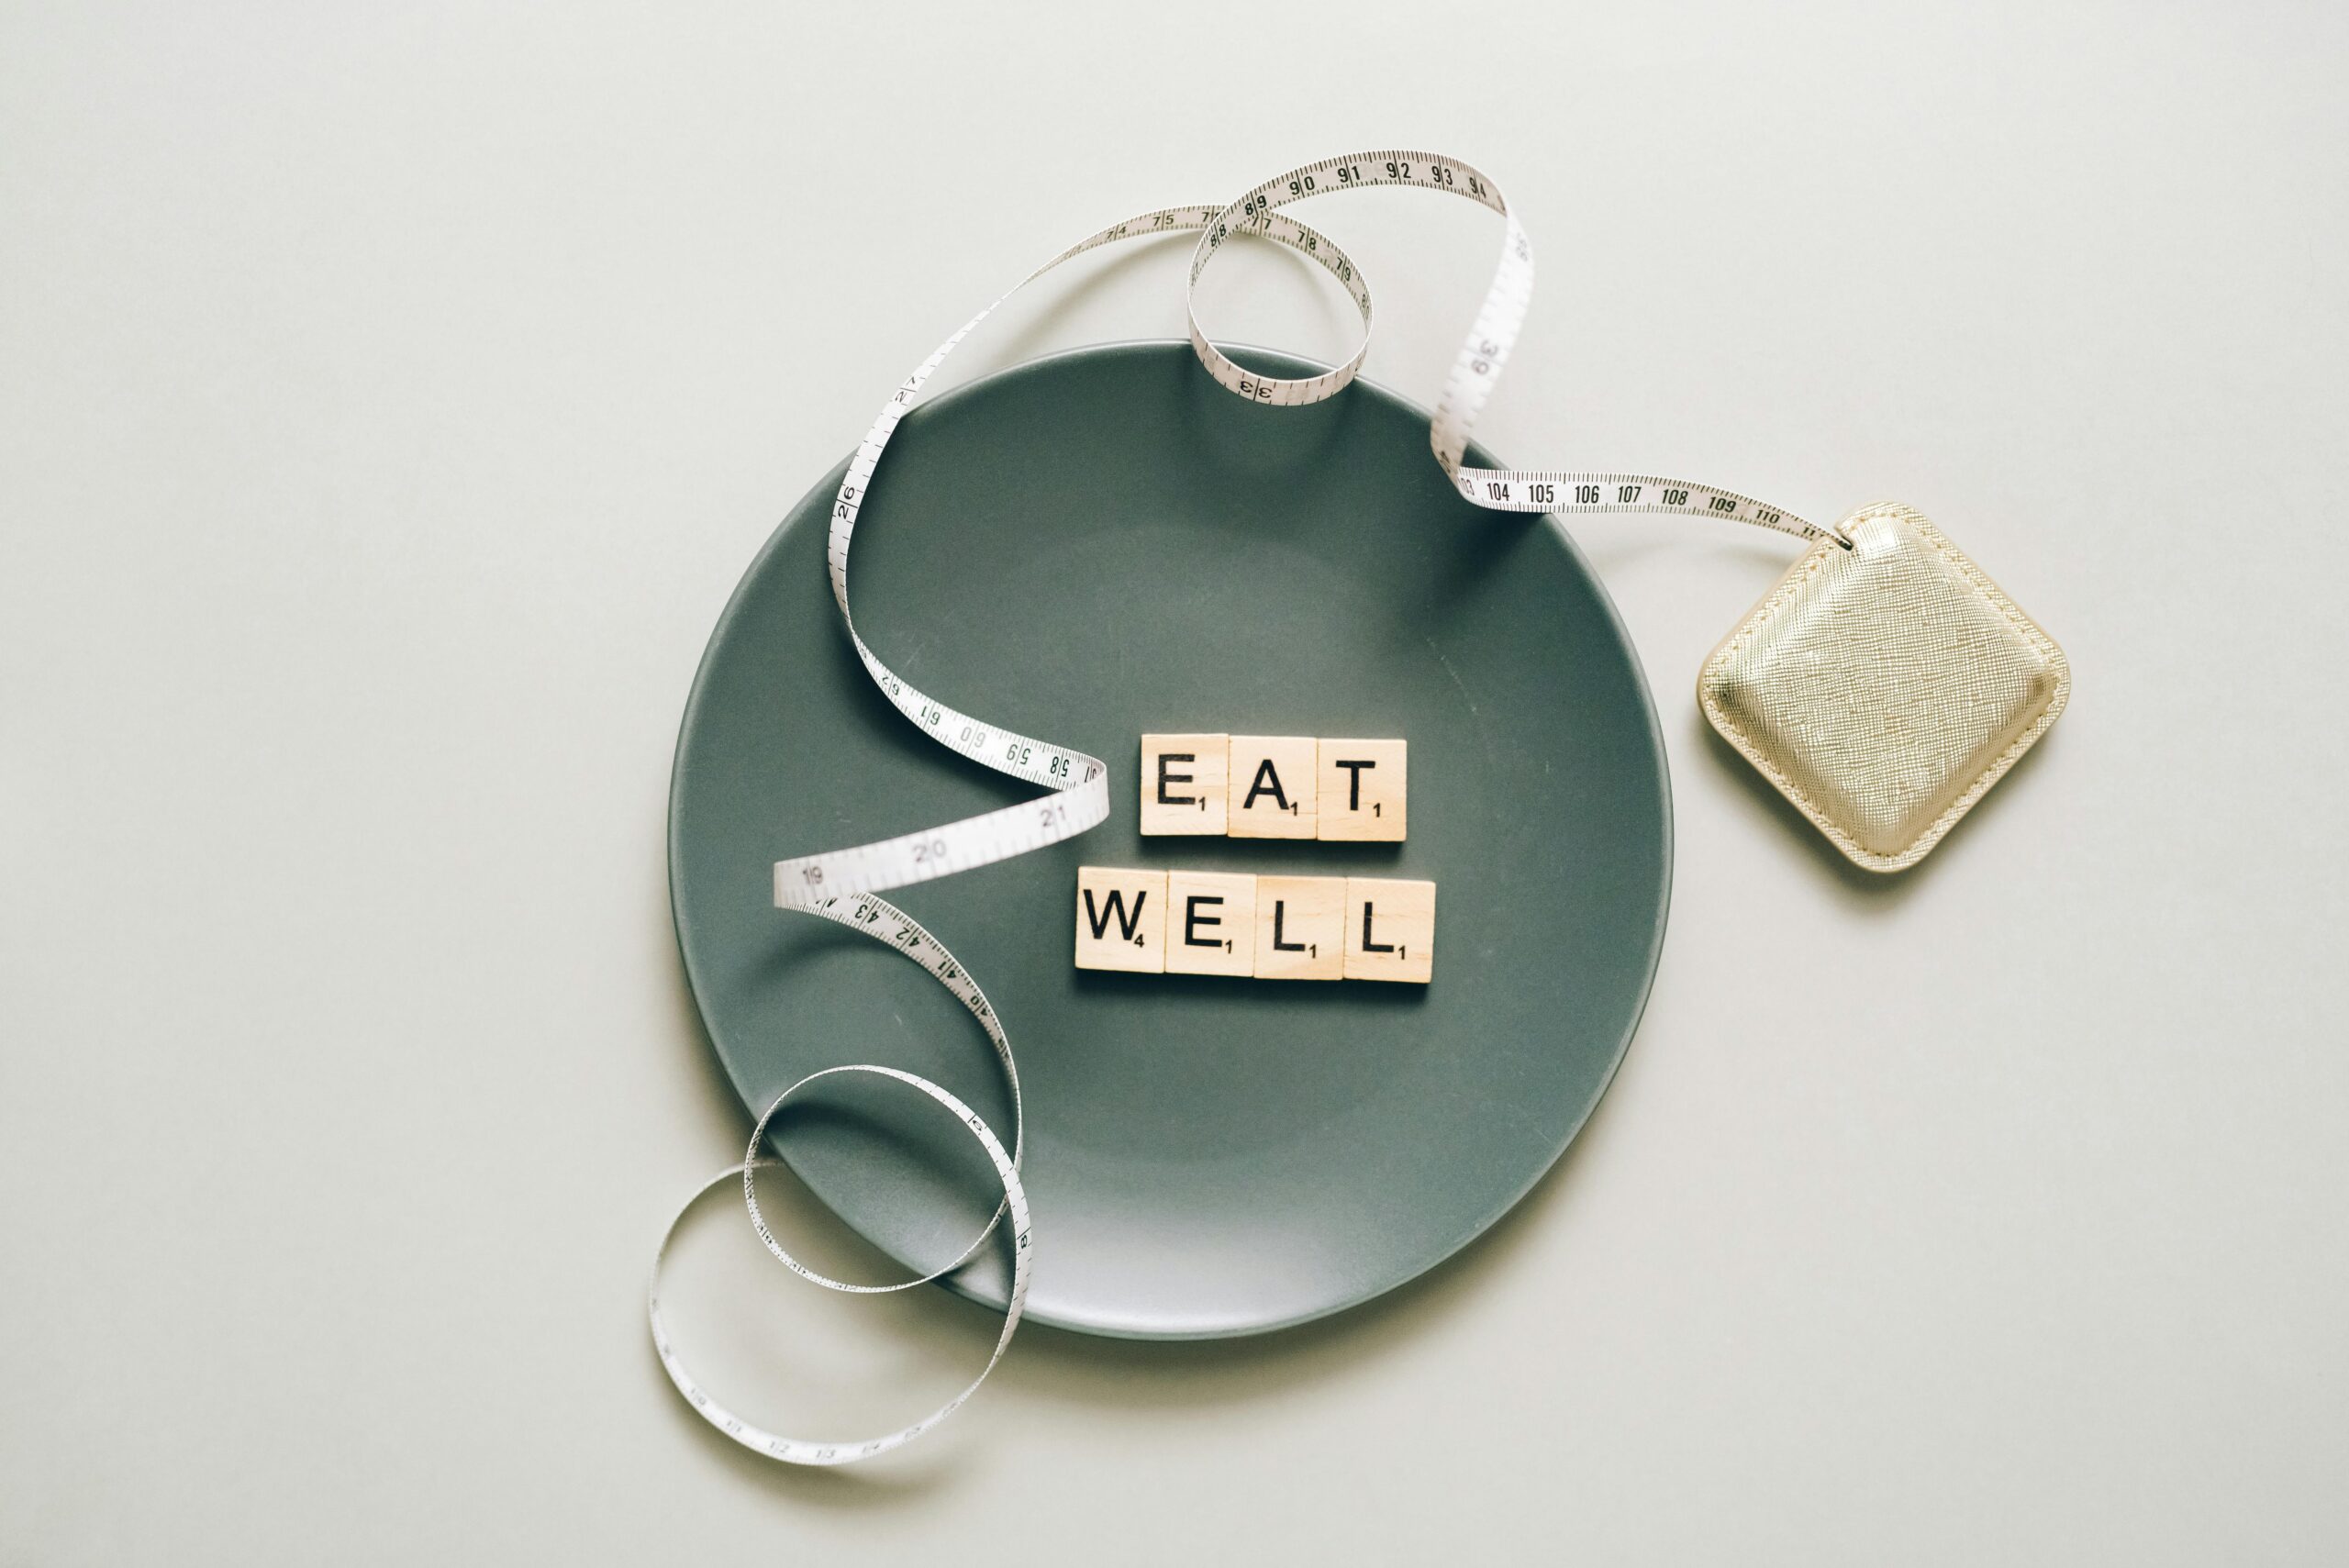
(1275, 782)
(1182, 788)
(1210, 923)
(1120, 919)
(1362, 789)
(1390, 929)
(1300, 926)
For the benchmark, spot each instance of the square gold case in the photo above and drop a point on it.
(1885, 687)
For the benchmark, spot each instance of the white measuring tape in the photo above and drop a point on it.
(797, 1451)
(842, 885)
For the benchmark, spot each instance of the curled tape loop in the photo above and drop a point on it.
(843, 886)
(887, 924)
(800, 1451)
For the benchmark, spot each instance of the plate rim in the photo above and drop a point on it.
(1297, 364)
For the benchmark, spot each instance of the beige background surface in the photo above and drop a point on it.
(389, 398)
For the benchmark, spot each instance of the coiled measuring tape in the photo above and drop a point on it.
(842, 885)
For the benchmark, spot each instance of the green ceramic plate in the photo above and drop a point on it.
(1104, 543)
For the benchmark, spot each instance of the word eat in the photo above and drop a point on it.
(1273, 786)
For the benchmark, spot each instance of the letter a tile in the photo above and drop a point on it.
(1275, 783)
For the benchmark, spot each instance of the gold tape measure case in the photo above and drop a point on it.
(1885, 687)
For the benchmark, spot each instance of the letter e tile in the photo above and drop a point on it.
(1210, 923)
(1182, 788)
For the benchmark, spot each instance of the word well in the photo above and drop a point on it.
(1272, 927)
